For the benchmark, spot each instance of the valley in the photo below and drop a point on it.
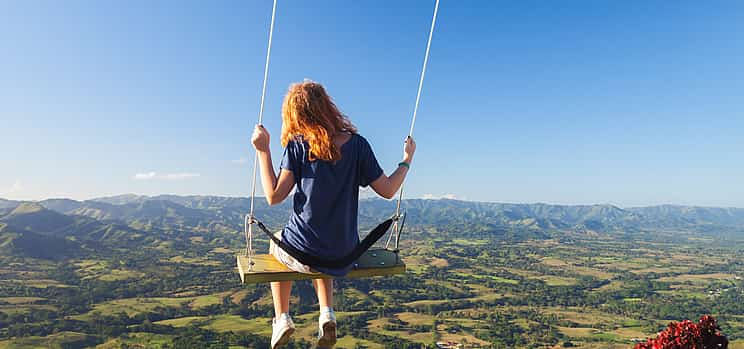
(144, 272)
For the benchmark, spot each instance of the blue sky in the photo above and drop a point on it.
(629, 103)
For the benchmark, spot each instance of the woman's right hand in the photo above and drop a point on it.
(408, 149)
(388, 186)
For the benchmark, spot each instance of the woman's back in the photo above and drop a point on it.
(326, 162)
(323, 222)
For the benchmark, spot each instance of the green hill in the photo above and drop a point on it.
(226, 213)
(23, 243)
(137, 271)
(35, 217)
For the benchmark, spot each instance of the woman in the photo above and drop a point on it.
(327, 160)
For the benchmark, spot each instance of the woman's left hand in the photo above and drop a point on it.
(260, 139)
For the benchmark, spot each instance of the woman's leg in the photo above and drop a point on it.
(280, 292)
(324, 289)
(327, 318)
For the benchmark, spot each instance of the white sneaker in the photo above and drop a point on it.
(327, 330)
(282, 329)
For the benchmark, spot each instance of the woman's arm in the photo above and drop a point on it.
(275, 189)
(387, 186)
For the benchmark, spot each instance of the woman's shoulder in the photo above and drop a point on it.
(297, 148)
(295, 142)
(359, 139)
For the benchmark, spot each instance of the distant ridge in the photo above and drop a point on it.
(206, 213)
(4, 203)
(368, 195)
(136, 198)
(80, 228)
(121, 199)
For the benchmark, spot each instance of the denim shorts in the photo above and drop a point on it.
(284, 257)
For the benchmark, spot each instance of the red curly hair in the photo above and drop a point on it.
(309, 113)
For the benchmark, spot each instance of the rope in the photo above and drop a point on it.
(249, 218)
(396, 229)
(423, 69)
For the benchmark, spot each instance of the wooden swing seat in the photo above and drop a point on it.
(374, 262)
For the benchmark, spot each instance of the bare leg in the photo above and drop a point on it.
(324, 289)
(280, 292)
(327, 319)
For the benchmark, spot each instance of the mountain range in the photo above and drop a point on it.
(64, 226)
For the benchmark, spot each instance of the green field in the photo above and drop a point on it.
(55, 341)
(525, 294)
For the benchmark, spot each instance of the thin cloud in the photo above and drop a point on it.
(165, 176)
(16, 188)
(240, 161)
(439, 197)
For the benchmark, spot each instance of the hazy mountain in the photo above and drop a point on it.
(4, 204)
(183, 211)
(61, 205)
(33, 219)
(150, 212)
(673, 215)
(542, 215)
(139, 216)
(122, 199)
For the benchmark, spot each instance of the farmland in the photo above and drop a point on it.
(473, 287)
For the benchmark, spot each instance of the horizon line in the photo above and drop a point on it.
(378, 198)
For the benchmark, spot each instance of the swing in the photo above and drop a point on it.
(367, 262)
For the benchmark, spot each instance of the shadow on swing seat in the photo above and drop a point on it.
(374, 262)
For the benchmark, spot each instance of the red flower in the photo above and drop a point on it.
(688, 335)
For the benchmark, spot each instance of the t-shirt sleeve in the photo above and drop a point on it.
(370, 169)
(288, 158)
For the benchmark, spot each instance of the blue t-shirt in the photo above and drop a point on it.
(323, 222)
